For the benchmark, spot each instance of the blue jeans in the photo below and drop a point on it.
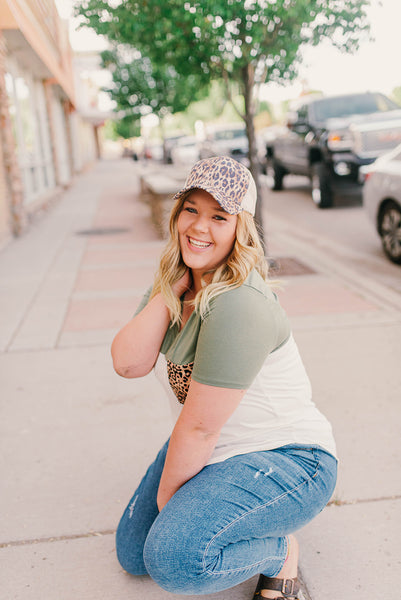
(227, 523)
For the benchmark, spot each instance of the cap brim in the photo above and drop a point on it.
(218, 197)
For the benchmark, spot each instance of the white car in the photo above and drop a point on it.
(382, 201)
(185, 151)
(226, 140)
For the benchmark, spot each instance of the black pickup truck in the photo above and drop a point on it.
(330, 138)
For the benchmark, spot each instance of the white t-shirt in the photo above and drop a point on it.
(244, 342)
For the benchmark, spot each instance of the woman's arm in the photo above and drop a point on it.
(136, 346)
(206, 410)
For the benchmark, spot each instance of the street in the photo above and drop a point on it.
(343, 233)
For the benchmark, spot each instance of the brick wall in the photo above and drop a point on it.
(5, 229)
(12, 205)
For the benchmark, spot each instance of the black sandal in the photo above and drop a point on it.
(288, 587)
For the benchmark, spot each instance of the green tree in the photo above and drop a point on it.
(243, 42)
(213, 108)
(128, 127)
(396, 94)
(139, 86)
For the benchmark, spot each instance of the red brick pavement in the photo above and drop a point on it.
(118, 267)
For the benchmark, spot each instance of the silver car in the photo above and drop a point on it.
(185, 151)
(226, 140)
(382, 200)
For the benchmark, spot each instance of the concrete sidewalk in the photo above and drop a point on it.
(76, 438)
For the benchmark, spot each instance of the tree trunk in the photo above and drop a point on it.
(248, 82)
(163, 136)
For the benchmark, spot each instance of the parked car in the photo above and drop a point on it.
(330, 138)
(185, 150)
(265, 139)
(169, 144)
(226, 140)
(153, 151)
(382, 201)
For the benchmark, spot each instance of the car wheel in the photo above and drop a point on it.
(278, 176)
(390, 231)
(322, 193)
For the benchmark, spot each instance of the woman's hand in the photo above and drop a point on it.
(183, 284)
(206, 410)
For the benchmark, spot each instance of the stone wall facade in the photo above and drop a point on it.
(11, 191)
(44, 137)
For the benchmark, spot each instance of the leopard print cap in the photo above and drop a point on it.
(227, 180)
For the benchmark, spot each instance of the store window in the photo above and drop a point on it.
(26, 121)
(30, 128)
(11, 103)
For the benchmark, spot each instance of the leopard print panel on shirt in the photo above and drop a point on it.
(179, 377)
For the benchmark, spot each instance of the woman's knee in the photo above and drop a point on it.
(129, 551)
(173, 561)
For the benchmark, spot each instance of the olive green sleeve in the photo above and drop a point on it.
(241, 328)
(144, 301)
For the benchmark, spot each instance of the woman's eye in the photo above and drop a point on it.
(219, 218)
(190, 209)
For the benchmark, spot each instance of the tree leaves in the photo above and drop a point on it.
(189, 42)
(212, 37)
(140, 86)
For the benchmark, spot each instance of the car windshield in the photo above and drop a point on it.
(229, 134)
(346, 106)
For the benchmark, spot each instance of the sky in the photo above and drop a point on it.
(374, 67)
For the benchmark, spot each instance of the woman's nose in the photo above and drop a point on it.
(201, 223)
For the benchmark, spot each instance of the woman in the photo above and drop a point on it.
(250, 458)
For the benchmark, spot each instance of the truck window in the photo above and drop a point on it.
(346, 106)
(229, 134)
(302, 114)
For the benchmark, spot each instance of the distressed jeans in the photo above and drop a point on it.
(226, 524)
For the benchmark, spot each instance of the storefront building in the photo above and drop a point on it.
(41, 134)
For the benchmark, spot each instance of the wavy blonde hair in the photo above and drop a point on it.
(247, 254)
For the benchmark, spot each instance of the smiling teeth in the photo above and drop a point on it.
(199, 244)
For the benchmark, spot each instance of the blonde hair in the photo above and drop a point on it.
(247, 254)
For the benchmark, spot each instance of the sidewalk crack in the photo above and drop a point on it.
(337, 502)
(57, 538)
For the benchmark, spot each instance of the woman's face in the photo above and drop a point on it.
(206, 232)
